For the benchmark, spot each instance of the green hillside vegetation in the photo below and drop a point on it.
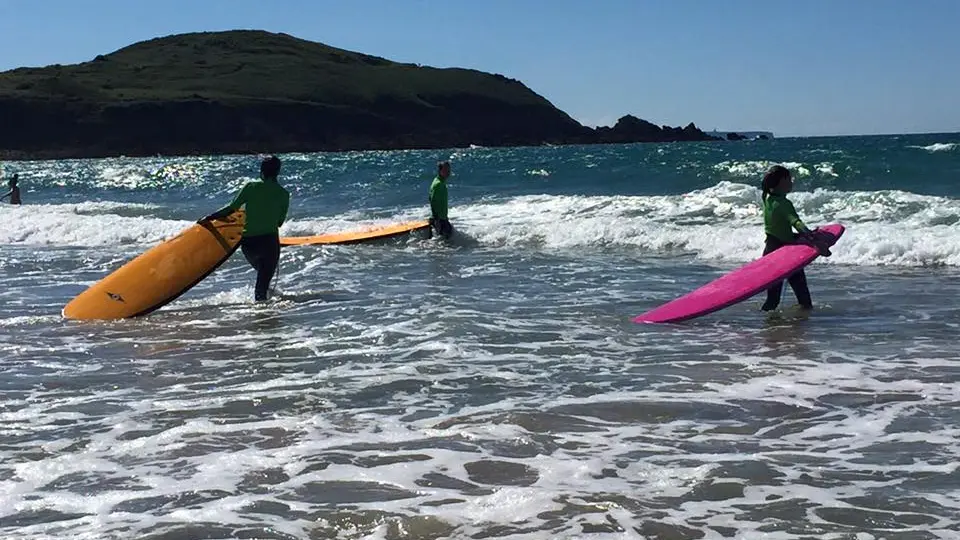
(253, 65)
(252, 91)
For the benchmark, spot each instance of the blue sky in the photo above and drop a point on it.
(810, 67)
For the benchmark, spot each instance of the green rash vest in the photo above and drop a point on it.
(266, 204)
(780, 217)
(438, 198)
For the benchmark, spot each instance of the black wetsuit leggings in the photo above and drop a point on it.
(442, 227)
(798, 281)
(263, 254)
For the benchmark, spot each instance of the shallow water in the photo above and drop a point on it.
(496, 387)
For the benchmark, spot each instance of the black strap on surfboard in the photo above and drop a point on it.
(216, 235)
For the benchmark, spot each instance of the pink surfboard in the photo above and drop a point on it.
(742, 283)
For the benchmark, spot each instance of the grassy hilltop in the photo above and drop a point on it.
(254, 91)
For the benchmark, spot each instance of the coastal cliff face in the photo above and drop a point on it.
(254, 91)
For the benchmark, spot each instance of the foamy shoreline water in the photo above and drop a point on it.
(494, 388)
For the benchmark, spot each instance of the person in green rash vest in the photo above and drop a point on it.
(439, 219)
(266, 203)
(779, 220)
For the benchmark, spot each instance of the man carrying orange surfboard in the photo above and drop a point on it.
(438, 201)
(266, 204)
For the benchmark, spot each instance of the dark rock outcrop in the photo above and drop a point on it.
(632, 129)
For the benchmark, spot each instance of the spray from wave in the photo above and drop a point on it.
(87, 224)
(938, 147)
(722, 223)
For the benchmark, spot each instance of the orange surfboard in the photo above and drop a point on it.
(356, 237)
(161, 274)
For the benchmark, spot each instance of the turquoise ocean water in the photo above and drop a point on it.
(494, 387)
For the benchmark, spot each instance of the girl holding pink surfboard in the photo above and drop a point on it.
(779, 220)
(784, 257)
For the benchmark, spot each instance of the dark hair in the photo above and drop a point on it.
(440, 165)
(772, 179)
(270, 167)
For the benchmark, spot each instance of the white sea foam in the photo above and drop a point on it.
(459, 415)
(725, 222)
(85, 224)
(939, 147)
(648, 446)
(756, 168)
(499, 392)
(722, 222)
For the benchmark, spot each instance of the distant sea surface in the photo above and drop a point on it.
(493, 387)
